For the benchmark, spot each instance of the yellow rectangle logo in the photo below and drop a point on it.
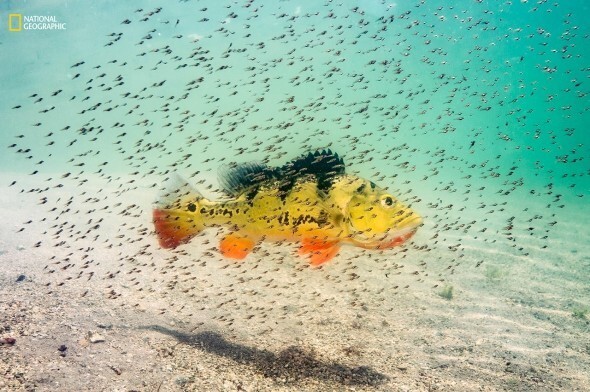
(12, 18)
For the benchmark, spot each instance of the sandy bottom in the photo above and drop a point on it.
(161, 321)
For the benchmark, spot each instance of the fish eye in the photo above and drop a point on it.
(387, 201)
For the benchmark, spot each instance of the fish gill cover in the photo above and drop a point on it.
(474, 113)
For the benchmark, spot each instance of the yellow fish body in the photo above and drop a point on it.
(310, 200)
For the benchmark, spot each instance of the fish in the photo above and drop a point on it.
(311, 200)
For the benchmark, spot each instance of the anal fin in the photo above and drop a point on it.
(321, 251)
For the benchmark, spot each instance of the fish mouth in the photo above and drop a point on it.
(395, 238)
(398, 239)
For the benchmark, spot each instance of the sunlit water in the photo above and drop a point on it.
(474, 113)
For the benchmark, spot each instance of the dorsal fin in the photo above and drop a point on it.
(323, 165)
(175, 190)
(234, 180)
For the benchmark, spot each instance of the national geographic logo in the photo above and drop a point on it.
(19, 22)
(15, 22)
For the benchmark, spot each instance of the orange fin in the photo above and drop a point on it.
(174, 227)
(235, 246)
(321, 251)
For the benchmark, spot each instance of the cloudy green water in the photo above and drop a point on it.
(474, 112)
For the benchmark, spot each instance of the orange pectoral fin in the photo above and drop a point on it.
(235, 246)
(321, 251)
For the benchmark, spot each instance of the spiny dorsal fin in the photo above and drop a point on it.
(323, 165)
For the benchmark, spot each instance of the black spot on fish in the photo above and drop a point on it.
(322, 218)
(252, 193)
(304, 219)
(284, 218)
(338, 219)
(192, 207)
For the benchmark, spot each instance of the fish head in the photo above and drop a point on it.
(376, 219)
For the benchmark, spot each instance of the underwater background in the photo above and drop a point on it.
(473, 112)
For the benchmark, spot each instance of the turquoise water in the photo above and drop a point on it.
(475, 113)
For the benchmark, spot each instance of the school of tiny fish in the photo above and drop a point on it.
(456, 116)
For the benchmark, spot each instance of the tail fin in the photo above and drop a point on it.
(176, 217)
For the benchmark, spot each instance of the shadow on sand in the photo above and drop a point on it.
(291, 364)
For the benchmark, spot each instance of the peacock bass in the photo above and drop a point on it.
(310, 200)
